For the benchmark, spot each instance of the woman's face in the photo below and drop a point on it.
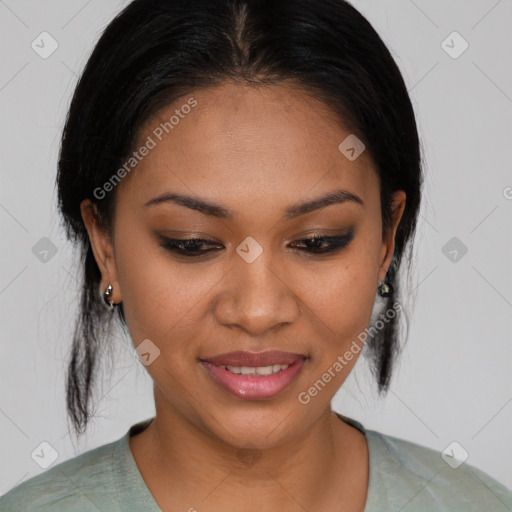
(258, 154)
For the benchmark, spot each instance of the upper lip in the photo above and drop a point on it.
(267, 358)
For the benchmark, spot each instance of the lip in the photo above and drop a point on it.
(250, 387)
(253, 359)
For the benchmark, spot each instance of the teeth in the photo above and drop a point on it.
(265, 370)
(259, 370)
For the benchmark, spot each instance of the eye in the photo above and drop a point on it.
(318, 244)
(189, 247)
(197, 247)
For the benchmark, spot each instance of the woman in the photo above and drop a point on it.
(244, 180)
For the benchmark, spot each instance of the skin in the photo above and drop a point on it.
(255, 151)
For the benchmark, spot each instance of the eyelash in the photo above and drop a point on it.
(336, 244)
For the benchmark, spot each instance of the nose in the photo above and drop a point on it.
(257, 297)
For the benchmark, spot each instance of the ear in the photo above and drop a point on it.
(102, 249)
(388, 243)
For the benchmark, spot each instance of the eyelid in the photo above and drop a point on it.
(207, 239)
(323, 233)
(337, 242)
(333, 232)
(185, 235)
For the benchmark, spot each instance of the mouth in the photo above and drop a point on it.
(254, 376)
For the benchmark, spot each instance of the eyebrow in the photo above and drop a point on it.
(216, 210)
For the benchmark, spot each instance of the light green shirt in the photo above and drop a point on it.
(403, 477)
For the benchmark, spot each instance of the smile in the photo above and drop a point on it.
(258, 371)
(254, 382)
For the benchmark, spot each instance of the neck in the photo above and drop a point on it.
(191, 466)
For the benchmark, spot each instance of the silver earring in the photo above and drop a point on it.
(385, 289)
(107, 295)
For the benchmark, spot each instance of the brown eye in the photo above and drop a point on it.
(325, 244)
(189, 247)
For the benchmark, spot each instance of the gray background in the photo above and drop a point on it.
(453, 381)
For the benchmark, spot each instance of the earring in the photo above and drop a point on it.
(107, 295)
(385, 289)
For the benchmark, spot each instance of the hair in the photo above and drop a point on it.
(156, 51)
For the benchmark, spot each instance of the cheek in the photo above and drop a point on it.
(340, 299)
(158, 299)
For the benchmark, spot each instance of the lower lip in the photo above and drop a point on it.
(250, 387)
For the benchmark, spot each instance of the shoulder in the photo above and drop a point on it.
(412, 477)
(84, 483)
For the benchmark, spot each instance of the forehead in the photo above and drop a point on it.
(274, 140)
